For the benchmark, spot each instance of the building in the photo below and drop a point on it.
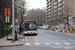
(5, 4)
(60, 11)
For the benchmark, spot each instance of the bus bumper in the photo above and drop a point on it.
(30, 33)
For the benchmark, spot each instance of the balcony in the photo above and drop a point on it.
(49, 16)
(48, 0)
(55, 6)
(54, 14)
(49, 9)
(60, 13)
(59, 0)
(49, 12)
(55, 10)
(49, 3)
(60, 4)
(55, 3)
(49, 6)
(59, 8)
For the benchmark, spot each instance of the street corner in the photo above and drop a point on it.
(10, 44)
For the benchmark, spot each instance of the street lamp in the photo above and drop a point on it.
(13, 20)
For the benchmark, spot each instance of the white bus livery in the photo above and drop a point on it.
(30, 27)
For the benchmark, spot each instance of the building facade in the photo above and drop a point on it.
(5, 4)
(60, 11)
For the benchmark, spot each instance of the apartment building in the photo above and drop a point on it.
(60, 11)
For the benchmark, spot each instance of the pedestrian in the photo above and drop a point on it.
(21, 30)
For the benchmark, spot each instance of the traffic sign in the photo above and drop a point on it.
(5, 11)
(7, 15)
(8, 12)
(7, 19)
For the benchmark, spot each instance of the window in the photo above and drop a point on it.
(50, 0)
(56, 0)
(59, 0)
(30, 26)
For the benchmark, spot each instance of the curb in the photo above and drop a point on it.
(64, 32)
(12, 45)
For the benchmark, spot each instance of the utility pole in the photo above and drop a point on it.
(17, 22)
(19, 18)
(13, 20)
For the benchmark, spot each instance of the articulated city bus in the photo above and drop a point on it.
(30, 27)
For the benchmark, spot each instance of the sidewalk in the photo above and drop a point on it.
(8, 43)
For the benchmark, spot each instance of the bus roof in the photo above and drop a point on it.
(30, 20)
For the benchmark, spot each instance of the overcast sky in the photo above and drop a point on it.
(36, 4)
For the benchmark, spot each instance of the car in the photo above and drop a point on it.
(45, 27)
(39, 27)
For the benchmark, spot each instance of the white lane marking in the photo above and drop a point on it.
(57, 43)
(22, 41)
(37, 43)
(47, 44)
(67, 39)
(27, 44)
(26, 39)
(67, 43)
(34, 38)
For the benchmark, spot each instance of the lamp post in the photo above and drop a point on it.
(13, 24)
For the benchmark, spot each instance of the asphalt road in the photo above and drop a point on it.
(46, 40)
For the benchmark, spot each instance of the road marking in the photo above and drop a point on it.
(47, 44)
(37, 43)
(22, 41)
(57, 43)
(26, 39)
(67, 39)
(34, 39)
(27, 44)
(67, 43)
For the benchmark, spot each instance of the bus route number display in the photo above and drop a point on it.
(29, 22)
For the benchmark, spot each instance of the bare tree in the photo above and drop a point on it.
(37, 14)
(22, 5)
(68, 12)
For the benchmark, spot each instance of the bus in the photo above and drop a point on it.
(30, 27)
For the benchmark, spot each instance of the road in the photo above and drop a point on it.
(46, 40)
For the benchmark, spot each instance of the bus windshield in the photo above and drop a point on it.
(30, 26)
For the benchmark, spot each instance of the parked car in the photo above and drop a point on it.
(53, 29)
(39, 27)
(45, 27)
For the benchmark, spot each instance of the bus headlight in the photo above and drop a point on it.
(35, 32)
(25, 32)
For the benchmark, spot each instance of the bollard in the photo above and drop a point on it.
(70, 32)
(61, 31)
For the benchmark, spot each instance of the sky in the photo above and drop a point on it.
(33, 4)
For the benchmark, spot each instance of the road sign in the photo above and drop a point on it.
(62, 24)
(7, 19)
(16, 20)
(8, 12)
(65, 25)
(7, 15)
(5, 11)
(70, 29)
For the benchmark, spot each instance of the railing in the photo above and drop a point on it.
(3, 32)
